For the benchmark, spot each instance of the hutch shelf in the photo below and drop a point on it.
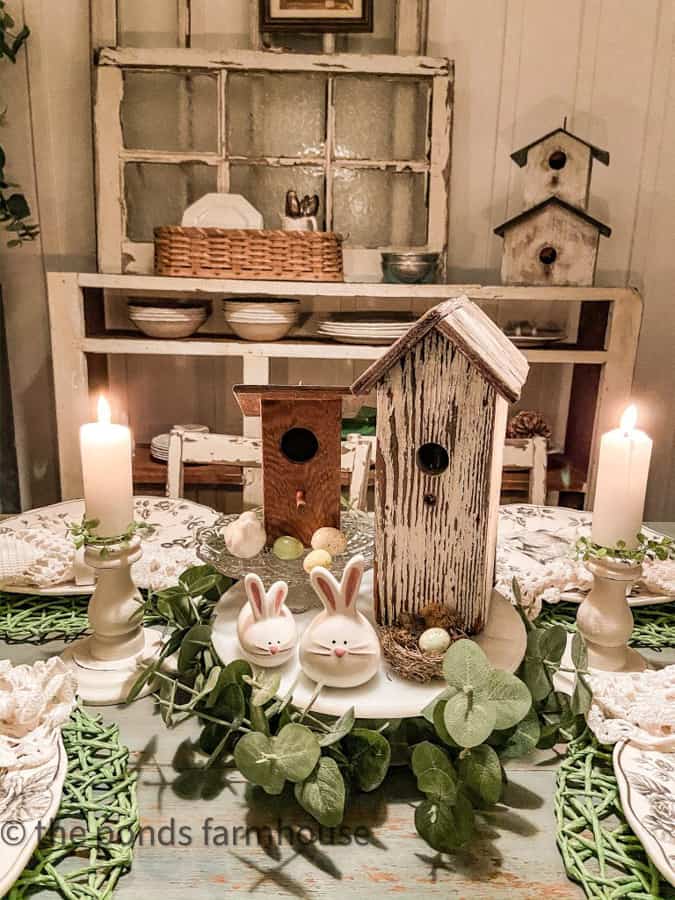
(85, 311)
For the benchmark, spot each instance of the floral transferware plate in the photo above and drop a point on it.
(535, 546)
(646, 780)
(167, 551)
(35, 701)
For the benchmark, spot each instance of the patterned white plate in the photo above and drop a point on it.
(532, 537)
(646, 780)
(169, 550)
(29, 800)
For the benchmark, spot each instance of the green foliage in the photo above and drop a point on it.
(647, 548)
(455, 748)
(84, 534)
(14, 208)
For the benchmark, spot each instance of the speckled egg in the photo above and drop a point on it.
(287, 547)
(330, 539)
(434, 641)
(317, 558)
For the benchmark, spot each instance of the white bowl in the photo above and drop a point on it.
(169, 328)
(261, 307)
(260, 331)
(168, 313)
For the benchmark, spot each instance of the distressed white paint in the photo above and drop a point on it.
(529, 454)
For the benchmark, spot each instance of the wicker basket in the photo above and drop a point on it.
(248, 253)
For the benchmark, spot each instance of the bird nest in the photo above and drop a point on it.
(400, 643)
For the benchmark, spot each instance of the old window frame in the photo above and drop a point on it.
(117, 253)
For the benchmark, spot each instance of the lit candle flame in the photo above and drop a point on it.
(103, 411)
(629, 419)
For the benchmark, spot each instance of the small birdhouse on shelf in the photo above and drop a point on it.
(301, 453)
(551, 243)
(442, 396)
(558, 164)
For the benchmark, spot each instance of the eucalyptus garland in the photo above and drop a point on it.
(456, 747)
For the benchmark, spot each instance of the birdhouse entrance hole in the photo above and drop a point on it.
(557, 159)
(433, 459)
(299, 445)
(548, 255)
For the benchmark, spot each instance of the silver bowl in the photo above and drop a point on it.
(409, 267)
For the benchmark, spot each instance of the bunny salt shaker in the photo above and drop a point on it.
(266, 627)
(340, 647)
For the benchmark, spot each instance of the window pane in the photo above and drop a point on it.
(273, 114)
(170, 111)
(375, 208)
(381, 118)
(265, 187)
(147, 24)
(158, 193)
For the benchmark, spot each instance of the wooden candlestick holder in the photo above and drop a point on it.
(605, 619)
(107, 662)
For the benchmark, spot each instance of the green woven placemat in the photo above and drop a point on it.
(654, 627)
(599, 850)
(90, 844)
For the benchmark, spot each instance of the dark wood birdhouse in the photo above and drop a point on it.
(301, 429)
(442, 396)
(558, 164)
(551, 243)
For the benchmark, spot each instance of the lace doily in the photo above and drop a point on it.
(635, 706)
(156, 572)
(547, 584)
(658, 576)
(34, 702)
(35, 557)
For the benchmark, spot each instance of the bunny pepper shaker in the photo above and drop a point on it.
(266, 627)
(339, 648)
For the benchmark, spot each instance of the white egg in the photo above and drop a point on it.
(330, 539)
(317, 558)
(434, 641)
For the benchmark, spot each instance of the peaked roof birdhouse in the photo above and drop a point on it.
(560, 164)
(442, 395)
(301, 453)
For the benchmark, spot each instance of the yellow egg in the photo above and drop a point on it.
(287, 547)
(330, 539)
(317, 558)
(434, 641)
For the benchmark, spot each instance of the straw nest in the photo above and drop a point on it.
(400, 643)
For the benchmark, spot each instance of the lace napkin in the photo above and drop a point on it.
(35, 557)
(634, 706)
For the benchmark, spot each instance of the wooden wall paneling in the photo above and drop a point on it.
(217, 26)
(411, 26)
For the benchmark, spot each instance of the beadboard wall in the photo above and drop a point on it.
(521, 66)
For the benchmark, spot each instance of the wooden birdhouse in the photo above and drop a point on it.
(442, 395)
(551, 243)
(301, 429)
(558, 164)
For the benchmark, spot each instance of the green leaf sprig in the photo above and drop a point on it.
(84, 534)
(648, 548)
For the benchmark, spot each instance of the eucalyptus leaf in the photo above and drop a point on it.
(265, 687)
(524, 738)
(438, 785)
(466, 666)
(429, 709)
(511, 697)
(533, 671)
(428, 756)
(582, 696)
(255, 758)
(370, 754)
(439, 724)
(339, 729)
(297, 751)
(197, 639)
(469, 721)
(445, 828)
(481, 771)
(322, 794)
(259, 721)
(579, 651)
(552, 643)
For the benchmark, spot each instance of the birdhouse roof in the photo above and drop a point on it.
(248, 396)
(602, 228)
(474, 334)
(520, 156)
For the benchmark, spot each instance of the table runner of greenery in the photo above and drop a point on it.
(654, 627)
(90, 844)
(599, 850)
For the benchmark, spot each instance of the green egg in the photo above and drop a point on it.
(287, 547)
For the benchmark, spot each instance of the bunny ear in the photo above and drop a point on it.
(255, 591)
(326, 587)
(275, 598)
(351, 581)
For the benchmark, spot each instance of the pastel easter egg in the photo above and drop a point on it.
(434, 641)
(287, 547)
(317, 558)
(330, 539)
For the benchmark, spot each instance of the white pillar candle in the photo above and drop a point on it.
(106, 472)
(623, 468)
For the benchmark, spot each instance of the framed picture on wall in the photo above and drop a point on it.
(316, 15)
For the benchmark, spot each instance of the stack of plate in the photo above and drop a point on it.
(261, 320)
(168, 321)
(159, 445)
(366, 328)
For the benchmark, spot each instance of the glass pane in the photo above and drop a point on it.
(272, 114)
(265, 187)
(378, 117)
(147, 24)
(158, 193)
(375, 208)
(170, 111)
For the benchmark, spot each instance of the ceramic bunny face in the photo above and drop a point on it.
(266, 627)
(340, 647)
